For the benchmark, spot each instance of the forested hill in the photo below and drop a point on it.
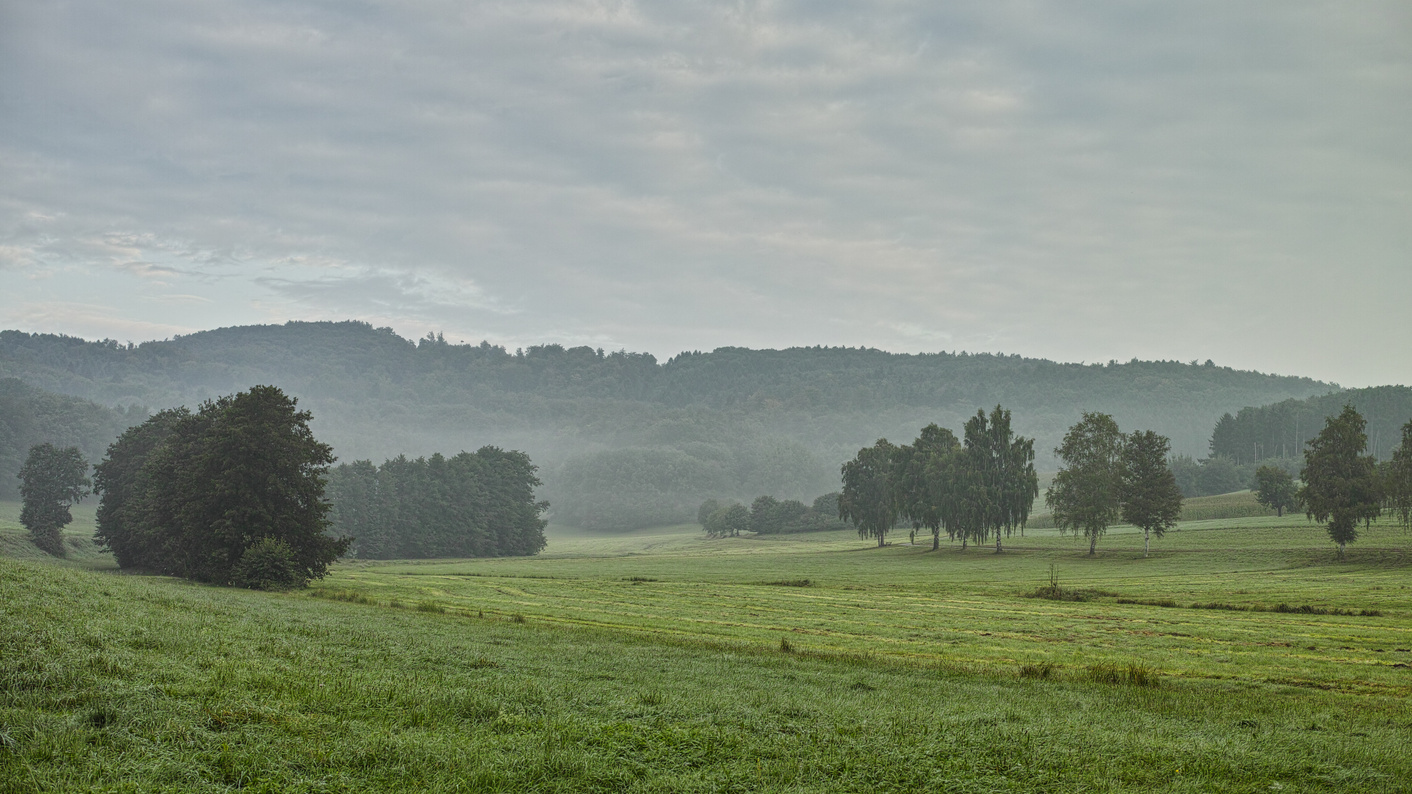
(621, 437)
(1281, 430)
(31, 416)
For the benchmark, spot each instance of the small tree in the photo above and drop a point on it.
(51, 480)
(1340, 482)
(706, 509)
(765, 516)
(268, 564)
(867, 498)
(728, 521)
(1084, 496)
(1275, 489)
(1148, 490)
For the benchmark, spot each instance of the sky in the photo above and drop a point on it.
(1075, 181)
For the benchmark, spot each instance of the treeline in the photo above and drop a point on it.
(30, 416)
(479, 504)
(768, 516)
(1279, 431)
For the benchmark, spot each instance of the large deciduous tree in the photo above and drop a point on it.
(1275, 489)
(1340, 482)
(51, 480)
(188, 493)
(1148, 489)
(1084, 496)
(867, 498)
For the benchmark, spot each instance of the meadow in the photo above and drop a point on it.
(659, 660)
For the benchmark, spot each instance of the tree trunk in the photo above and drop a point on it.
(880, 538)
(1341, 547)
(1279, 511)
(963, 542)
(1146, 541)
(1092, 544)
(997, 543)
(936, 541)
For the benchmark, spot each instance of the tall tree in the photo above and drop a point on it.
(867, 498)
(1340, 482)
(923, 480)
(1084, 496)
(1149, 494)
(996, 480)
(1398, 481)
(1275, 489)
(51, 481)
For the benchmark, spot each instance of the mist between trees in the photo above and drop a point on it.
(623, 440)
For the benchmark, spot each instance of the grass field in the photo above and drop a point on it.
(662, 661)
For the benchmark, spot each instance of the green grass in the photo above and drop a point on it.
(79, 548)
(661, 661)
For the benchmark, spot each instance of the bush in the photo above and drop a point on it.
(268, 564)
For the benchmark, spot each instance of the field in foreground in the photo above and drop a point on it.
(655, 662)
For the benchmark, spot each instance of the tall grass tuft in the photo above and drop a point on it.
(1133, 674)
(1038, 670)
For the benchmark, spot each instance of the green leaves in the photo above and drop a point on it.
(188, 493)
(1085, 495)
(51, 480)
(1340, 483)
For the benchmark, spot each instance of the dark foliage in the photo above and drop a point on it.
(29, 416)
(268, 564)
(51, 480)
(1281, 430)
(1275, 489)
(1341, 486)
(1151, 500)
(479, 504)
(188, 493)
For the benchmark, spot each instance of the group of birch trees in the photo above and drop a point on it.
(972, 488)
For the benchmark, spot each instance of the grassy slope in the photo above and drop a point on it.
(112, 682)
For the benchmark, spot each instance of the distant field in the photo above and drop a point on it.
(1240, 504)
(659, 660)
(907, 603)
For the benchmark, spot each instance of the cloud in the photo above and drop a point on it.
(1083, 182)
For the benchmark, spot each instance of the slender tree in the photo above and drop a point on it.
(1340, 482)
(867, 498)
(1275, 489)
(51, 480)
(1398, 481)
(1084, 496)
(1149, 494)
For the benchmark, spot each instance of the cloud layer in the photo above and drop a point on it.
(1205, 180)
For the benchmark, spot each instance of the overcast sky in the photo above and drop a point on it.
(1077, 181)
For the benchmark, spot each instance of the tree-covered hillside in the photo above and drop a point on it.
(621, 438)
(30, 416)
(1280, 430)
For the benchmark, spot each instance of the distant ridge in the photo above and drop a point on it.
(733, 422)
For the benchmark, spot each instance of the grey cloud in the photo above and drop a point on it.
(1089, 182)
